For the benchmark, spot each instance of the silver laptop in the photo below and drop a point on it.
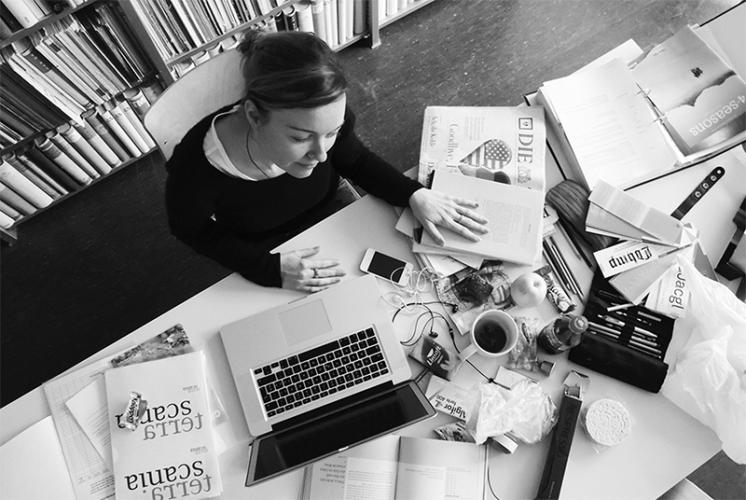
(318, 375)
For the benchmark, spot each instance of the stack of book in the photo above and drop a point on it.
(630, 117)
(20, 14)
(644, 262)
(70, 156)
(491, 155)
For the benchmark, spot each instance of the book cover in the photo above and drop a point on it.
(41, 173)
(51, 151)
(15, 200)
(52, 169)
(514, 213)
(172, 448)
(400, 468)
(694, 89)
(506, 144)
(23, 168)
(72, 153)
(83, 147)
(94, 119)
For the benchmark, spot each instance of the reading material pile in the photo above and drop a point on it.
(645, 262)
(491, 155)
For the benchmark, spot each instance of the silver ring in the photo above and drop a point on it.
(315, 272)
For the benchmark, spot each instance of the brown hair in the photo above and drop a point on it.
(289, 69)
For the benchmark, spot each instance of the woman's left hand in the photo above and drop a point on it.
(433, 209)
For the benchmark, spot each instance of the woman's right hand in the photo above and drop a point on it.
(300, 272)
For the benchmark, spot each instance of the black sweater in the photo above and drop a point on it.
(236, 222)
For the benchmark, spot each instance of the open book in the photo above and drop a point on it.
(634, 119)
(514, 214)
(400, 468)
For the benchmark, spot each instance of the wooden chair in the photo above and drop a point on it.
(213, 84)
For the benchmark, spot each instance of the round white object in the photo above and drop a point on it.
(608, 422)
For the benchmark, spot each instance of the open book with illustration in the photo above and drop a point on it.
(400, 468)
(639, 116)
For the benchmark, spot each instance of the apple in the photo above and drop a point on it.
(528, 290)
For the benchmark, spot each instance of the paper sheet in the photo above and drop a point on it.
(90, 476)
(89, 409)
(32, 466)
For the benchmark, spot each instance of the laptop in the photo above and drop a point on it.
(318, 375)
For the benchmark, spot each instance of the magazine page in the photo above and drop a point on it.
(504, 144)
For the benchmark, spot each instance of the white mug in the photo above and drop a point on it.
(493, 333)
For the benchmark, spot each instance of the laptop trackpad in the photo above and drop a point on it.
(305, 322)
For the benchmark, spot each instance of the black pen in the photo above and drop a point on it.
(560, 278)
(622, 324)
(631, 343)
(568, 271)
(559, 261)
(636, 338)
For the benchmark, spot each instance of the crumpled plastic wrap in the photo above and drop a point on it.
(526, 411)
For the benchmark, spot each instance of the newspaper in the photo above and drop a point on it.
(501, 143)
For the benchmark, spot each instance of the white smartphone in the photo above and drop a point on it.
(384, 266)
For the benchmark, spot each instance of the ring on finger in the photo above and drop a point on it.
(315, 272)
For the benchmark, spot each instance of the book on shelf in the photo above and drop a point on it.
(399, 467)
(35, 156)
(15, 200)
(304, 16)
(10, 211)
(26, 12)
(23, 156)
(72, 153)
(628, 120)
(6, 221)
(175, 432)
(318, 12)
(100, 127)
(84, 148)
(32, 174)
(62, 160)
(24, 187)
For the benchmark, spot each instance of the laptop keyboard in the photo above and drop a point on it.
(302, 378)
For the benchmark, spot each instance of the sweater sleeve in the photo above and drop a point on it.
(353, 160)
(190, 207)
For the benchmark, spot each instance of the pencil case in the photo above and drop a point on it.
(611, 345)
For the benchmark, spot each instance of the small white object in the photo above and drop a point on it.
(608, 422)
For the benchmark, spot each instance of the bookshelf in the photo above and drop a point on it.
(169, 45)
(362, 22)
(53, 71)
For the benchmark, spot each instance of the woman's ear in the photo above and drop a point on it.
(252, 113)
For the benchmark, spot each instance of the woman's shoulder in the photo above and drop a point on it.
(190, 149)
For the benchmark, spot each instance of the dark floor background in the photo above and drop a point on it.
(101, 264)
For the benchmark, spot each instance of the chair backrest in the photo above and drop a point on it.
(211, 85)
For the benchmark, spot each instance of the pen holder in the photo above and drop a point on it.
(627, 344)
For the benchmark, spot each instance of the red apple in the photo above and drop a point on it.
(528, 290)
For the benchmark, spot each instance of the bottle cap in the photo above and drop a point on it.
(578, 324)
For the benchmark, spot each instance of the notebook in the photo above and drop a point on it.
(318, 375)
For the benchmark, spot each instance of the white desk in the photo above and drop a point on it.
(665, 445)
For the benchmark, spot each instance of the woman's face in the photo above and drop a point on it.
(297, 139)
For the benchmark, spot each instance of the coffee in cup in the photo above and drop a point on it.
(493, 334)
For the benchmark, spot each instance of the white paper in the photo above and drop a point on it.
(32, 466)
(90, 411)
(610, 127)
(421, 482)
(91, 478)
(368, 479)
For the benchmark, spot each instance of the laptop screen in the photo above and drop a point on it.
(286, 450)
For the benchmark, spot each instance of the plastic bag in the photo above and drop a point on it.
(708, 375)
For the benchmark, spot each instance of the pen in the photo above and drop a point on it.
(632, 344)
(560, 278)
(619, 307)
(637, 329)
(636, 338)
(623, 316)
(554, 253)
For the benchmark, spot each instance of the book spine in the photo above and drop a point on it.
(350, 20)
(43, 175)
(138, 102)
(381, 9)
(304, 16)
(130, 114)
(55, 154)
(319, 19)
(23, 12)
(52, 169)
(85, 149)
(72, 153)
(6, 221)
(117, 129)
(331, 22)
(24, 187)
(392, 7)
(342, 6)
(14, 161)
(291, 18)
(10, 211)
(15, 200)
(94, 119)
(97, 143)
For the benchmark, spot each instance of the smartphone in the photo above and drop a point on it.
(384, 266)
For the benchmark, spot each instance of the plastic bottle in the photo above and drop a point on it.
(562, 333)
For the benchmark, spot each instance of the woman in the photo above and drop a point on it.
(252, 175)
